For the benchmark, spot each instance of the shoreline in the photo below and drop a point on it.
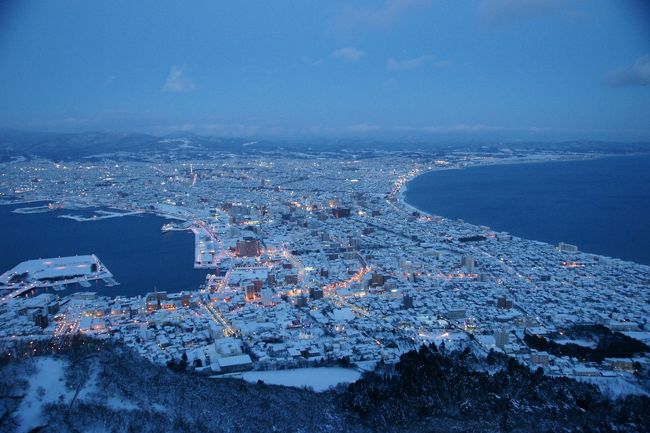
(401, 194)
(131, 283)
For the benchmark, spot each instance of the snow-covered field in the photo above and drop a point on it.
(319, 379)
(47, 385)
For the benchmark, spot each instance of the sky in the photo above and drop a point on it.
(436, 70)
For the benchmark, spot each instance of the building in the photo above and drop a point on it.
(248, 247)
(341, 212)
(504, 303)
(377, 280)
(251, 293)
(623, 364)
(41, 320)
(539, 358)
(501, 338)
(315, 293)
(267, 297)
(154, 300)
(455, 314)
(231, 364)
(44, 272)
(301, 301)
(468, 263)
(47, 303)
(567, 248)
(232, 232)
(230, 356)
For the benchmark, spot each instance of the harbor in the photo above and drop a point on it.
(139, 256)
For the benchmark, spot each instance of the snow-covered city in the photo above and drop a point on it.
(318, 261)
(341, 216)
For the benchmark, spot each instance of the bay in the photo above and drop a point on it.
(601, 205)
(133, 248)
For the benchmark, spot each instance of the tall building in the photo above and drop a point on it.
(467, 261)
(267, 296)
(252, 292)
(248, 247)
(315, 293)
(40, 319)
(501, 338)
(232, 232)
(504, 303)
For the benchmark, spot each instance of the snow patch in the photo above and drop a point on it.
(46, 386)
(319, 379)
(614, 387)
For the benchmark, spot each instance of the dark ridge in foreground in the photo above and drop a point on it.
(496, 393)
(125, 393)
(111, 389)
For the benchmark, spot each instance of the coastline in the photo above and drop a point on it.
(408, 207)
(401, 194)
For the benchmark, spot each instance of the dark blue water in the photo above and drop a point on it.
(133, 248)
(601, 205)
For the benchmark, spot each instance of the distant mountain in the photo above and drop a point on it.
(70, 146)
(62, 146)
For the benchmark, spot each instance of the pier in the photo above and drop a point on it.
(54, 273)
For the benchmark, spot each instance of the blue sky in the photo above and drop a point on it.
(431, 69)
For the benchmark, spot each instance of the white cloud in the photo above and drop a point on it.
(349, 54)
(177, 81)
(415, 62)
(637, 74)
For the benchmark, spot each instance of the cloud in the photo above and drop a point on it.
(504, 11)
(177, 81)
(384, 15)
(637, 74)
(348, 54)
(414, 63)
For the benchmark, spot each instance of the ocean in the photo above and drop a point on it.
(133, 248)
(601, 205)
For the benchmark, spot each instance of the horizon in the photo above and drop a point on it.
(420, 140)
(489, 70)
